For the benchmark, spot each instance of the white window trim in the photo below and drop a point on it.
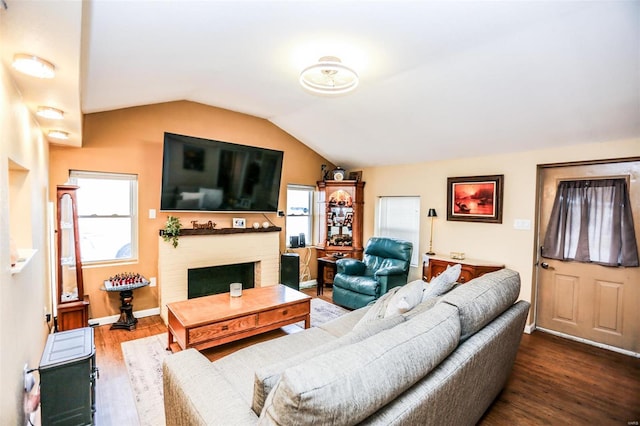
(133, 200)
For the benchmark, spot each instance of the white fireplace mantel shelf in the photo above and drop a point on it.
(224, 231)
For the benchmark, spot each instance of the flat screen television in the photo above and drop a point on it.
(207, 175)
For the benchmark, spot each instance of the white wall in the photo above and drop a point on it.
(23, 200)
(494, 242)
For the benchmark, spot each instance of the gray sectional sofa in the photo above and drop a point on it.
(442, 362)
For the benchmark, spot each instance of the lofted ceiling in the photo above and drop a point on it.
(438, 79)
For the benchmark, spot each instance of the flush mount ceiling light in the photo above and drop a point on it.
(58, 134)
(50, 113)
(33, 65)
(329, 77)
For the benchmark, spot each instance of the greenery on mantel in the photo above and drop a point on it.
(172, 230)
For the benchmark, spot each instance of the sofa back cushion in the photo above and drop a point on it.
(483, 299)
(266, 377)
(350, 383)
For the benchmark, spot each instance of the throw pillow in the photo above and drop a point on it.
(442, 283)
(377, 310)
(405, 299)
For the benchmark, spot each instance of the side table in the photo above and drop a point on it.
(127, 320)
(330, 264)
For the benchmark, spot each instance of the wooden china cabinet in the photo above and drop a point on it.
(341, 208)
(73, 305)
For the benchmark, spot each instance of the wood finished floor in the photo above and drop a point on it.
(554, 381)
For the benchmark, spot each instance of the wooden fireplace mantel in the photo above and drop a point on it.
(223, 231)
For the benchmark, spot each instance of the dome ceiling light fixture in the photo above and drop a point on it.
(50, 113)
(33, 65)
(329, 77)
(58, 134)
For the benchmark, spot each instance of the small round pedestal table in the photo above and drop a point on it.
(126, 321)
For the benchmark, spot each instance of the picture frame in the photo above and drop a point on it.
(357, 175)
(475, 198)
(239, 222)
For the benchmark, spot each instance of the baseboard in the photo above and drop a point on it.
(113, 318)
(529, 328)
(590, 342)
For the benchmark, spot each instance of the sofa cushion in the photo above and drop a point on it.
(422, 307)
(482, 299)
(380, 367)
(442, 283)
(267, 376)
(239, 367)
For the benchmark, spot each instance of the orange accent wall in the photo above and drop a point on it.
(130, 141)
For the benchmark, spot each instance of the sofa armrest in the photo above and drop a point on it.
(350, 266)
(195, 393)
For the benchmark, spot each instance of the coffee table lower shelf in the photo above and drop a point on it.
(215, 320)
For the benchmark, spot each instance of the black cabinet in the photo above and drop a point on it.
(67, 378)
(290, 270)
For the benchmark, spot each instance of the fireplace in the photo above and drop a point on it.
(261, 249)
(216, 279)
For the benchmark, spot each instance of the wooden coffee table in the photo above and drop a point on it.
(210, 321)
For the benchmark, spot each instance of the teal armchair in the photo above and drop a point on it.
(385, 265)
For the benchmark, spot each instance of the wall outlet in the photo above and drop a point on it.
(152, 282)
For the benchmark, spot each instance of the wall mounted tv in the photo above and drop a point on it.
(212, 176)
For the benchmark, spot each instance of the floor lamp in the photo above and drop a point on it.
(431, 213)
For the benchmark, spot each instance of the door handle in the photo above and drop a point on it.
(545, 265)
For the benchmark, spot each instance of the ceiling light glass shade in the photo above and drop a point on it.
(33, 66)
(329, 76)
(58, 134)
(50, 113)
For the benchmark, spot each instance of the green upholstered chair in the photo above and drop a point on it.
(385, 265)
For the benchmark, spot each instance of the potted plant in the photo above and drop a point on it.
(172, 230)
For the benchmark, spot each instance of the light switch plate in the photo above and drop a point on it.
(152, 213)
(523, 224)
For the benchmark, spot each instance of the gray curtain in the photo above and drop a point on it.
(591, 221)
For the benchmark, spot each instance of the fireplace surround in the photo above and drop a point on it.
(205, 250)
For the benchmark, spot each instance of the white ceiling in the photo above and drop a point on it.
(439, 79)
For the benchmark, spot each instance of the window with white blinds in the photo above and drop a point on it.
(107, 216)
(399, 217)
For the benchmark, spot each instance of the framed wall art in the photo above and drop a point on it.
(475, 198)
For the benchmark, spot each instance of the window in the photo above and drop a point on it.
(399, 217)
(299, 211)
(107, 215)
(591, 221)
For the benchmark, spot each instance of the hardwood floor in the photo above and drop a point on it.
(554, 381)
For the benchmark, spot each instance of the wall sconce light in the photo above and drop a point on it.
(431, 213)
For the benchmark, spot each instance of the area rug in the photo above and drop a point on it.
(143, 358)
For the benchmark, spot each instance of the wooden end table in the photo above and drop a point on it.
(209, 321)
(325, 263)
